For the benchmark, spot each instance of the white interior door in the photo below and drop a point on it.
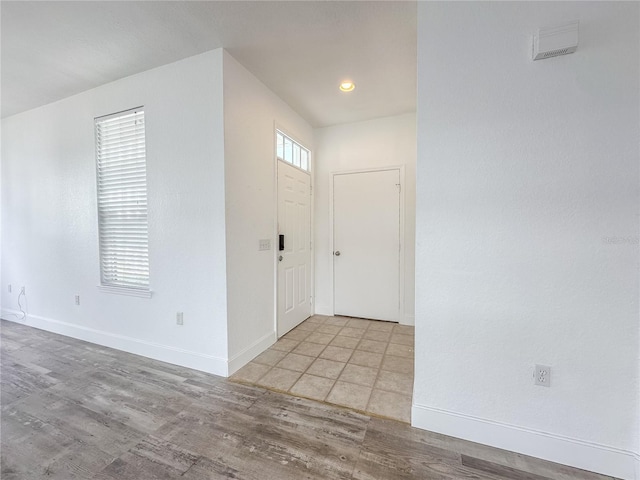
(294, 261)
(366, 257)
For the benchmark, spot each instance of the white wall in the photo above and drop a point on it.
(2, 285)
(251, 112)
(375, 143)
(49, 224)
(527, 225)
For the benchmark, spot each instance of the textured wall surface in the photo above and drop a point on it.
(49, 215)
(251, 114)
(527, 219)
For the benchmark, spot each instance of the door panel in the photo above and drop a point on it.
(294, 270)
(302, 285)
(289, 295)
(367, 234)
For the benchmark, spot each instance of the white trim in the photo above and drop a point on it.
(276, 240)
(252, 351)
(555, 448)
(324, 310)
(312, 233)
(131, 292)
(409, 319)
(401, 257)
(331, 310)
(164, 353)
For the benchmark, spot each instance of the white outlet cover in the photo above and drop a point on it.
(542, 376)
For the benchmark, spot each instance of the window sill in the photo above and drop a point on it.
(131, 292)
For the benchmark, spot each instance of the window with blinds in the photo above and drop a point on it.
(122, 200)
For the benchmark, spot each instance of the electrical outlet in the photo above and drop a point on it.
(77, 299)
(542, 376)
(22, 291)
(179, 318)
(264, 244)
(9, 288)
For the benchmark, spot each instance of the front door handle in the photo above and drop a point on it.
(337, 253)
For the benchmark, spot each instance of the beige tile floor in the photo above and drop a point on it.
(366, 365)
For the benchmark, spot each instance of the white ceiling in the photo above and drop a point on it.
(301, 50)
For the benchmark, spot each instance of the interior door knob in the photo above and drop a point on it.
(337, 253)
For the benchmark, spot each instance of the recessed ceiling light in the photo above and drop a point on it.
(347, 86)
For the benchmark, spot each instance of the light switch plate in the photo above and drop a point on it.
(264, 244)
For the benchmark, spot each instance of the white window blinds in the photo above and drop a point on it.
(122, 200)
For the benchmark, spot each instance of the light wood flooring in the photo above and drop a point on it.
(366, 365)
(74, 410)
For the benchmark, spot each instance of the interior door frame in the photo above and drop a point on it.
(401, 270)
(312, 288)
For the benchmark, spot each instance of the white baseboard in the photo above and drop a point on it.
(324, 310)
(252, 351)
(409, 320)
(164, 353)
(555, 448)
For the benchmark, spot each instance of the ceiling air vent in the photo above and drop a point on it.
(553, 41)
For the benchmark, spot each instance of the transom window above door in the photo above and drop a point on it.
(292, 152)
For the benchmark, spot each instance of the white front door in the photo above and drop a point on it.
(294, 260)
(366, 232)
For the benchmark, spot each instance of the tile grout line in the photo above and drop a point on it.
(334, 381)
(379, 368)
(346, 363)
(309, 366)
(271, 367)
